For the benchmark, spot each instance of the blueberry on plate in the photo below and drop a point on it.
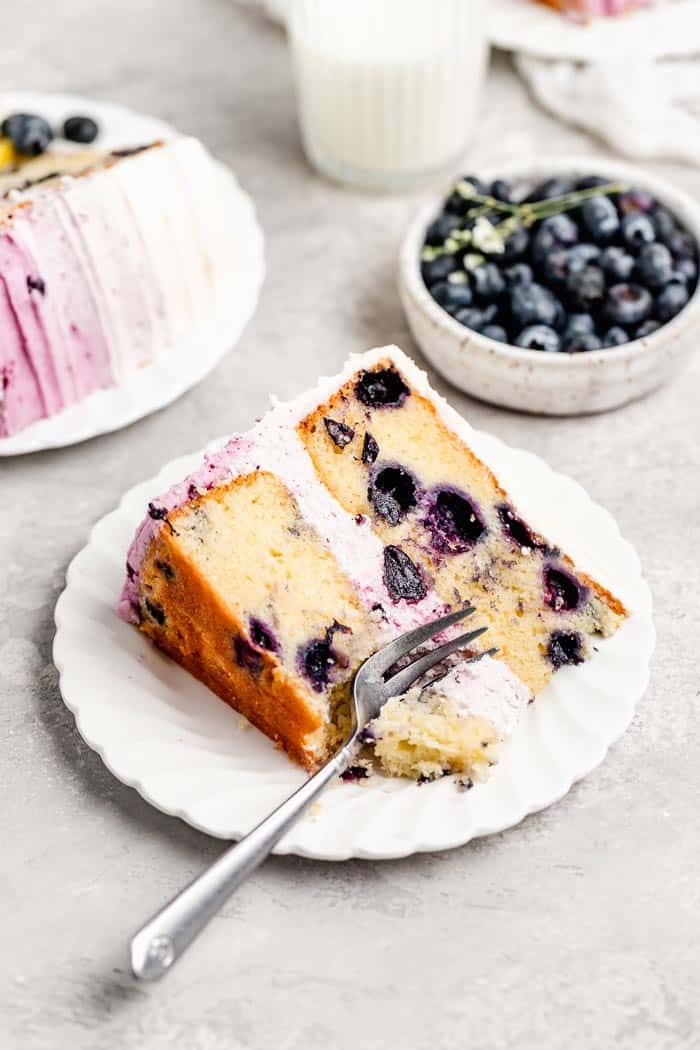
(579, 344)
(637, 229)
(80, 129)
(30, 134)
(533, 304)
(495, 331)
(664, 223)
(516, 245)
(545, 191)
(628, 304)
(539, 337)
(519, 273)
(635, 200)
(585, 288)
(671, 301)
(558, 231)
(441, 228)
(616, 336)
(476, 319)
(682, 245)
(451, 296)
(617, 264)
(600, 218)
(578, 324)
(580, 255)
(648, 328)
(687, 270)
(655, 265)
(439, 269)
(502, 191)
(488, 282)
(590, 182)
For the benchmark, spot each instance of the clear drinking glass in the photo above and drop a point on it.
(387, 90)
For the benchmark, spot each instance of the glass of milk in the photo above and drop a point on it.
(387, 90)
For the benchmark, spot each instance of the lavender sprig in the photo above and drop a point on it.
(490, 238)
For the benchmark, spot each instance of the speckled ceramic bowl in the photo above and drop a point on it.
(530, 380)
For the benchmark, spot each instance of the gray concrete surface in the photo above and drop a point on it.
(578, 929)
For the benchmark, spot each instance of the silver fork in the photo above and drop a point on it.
(163, 939)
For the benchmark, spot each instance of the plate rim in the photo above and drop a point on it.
(395, 850)
(61, 430)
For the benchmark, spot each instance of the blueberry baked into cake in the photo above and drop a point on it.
(342, 519)
(106, 260)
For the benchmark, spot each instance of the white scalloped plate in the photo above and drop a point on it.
(162, 732)
(191, 360)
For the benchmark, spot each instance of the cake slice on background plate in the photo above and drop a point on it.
(106, 260)
(587, 9)
(343, 518)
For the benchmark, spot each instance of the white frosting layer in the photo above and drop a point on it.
(486, 689)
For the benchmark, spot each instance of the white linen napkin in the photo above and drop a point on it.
(642, 108)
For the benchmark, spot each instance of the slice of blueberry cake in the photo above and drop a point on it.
(107, 259)
(342, 519)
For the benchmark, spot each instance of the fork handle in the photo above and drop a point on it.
(161, 942)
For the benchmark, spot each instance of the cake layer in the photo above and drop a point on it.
(341, 520)
(405, 468)
(103, 267)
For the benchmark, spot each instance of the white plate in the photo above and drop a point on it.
(191, 360)
(670, 30)
(162, 732)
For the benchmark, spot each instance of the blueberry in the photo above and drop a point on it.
(682, 245)
(80, 129)
(456, 204)
(488, 282)
(585, 288)
(36, 284)
(339, 433)
(579, 324)
(403, 579)
(671, 301)
(590, 182)
(263, 636)
(686, 270)
(392, 492)
(664, 224)
(580, 255)
(521, 534)
(551, 188)
(476, 319)
(516, 245)
(655, 265)
(580, 344)
(562, 591)
(634, 201)
(439, 269)
(502, 191)
(29, 133)
(440, 229)
(648, 328)
(617, 264)
(318, 658)
(495, 331)
(558, 231)
(616, 336)
(519, 273)
(539, 337)
(454, 522)
(637, 229)
(452, 297)
(533, 304)
(370, 449)
(554, 267)
(600, 218)
(382, 387)
(564, 648)
(156, 612)
(628, 304)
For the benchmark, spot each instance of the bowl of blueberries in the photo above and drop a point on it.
(567, 287)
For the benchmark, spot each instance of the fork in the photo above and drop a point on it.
(163, 939)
